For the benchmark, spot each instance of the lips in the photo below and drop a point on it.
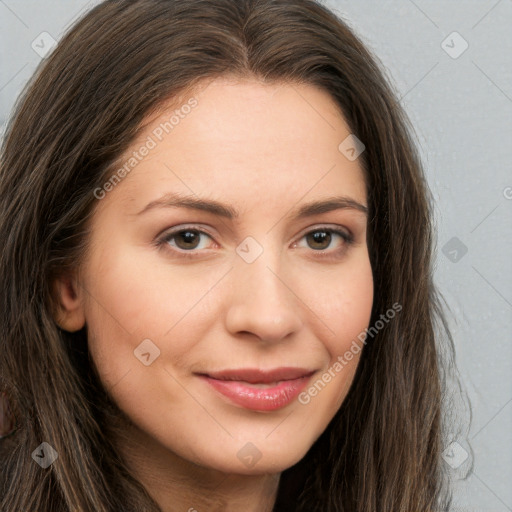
(260, 390)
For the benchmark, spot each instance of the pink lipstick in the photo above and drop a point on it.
(259, 390)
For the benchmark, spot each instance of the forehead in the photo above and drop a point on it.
(243, 140)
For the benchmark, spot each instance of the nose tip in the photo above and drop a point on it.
(263, 304)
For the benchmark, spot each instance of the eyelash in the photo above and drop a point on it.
(162, 243)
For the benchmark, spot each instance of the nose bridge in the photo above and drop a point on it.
(263, 283)
(261, 301)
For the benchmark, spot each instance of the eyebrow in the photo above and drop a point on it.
(173, 200)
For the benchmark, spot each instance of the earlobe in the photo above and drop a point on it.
(69, 313)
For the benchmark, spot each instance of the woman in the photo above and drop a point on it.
(259, 370)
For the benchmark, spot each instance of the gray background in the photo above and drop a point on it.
(461, 108)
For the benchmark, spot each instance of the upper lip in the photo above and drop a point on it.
(259, 376)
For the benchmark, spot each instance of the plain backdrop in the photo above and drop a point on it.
(451, 64)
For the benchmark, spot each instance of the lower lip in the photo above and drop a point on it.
(259, 399)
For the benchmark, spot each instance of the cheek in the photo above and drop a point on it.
(346, 306)
(118, 308)
(129, 301)
(346, 311)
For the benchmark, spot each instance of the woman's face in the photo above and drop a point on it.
(209, 325)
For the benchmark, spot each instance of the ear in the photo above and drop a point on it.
(69, 311)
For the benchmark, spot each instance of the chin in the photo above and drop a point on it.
(257, 459)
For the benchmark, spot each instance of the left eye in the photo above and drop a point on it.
(187, 240)
(321, 237)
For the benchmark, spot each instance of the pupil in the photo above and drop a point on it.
(321, 236)
(188, 237)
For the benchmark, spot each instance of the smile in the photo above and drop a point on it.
(257, 389)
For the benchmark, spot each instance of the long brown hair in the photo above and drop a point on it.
(79, 113)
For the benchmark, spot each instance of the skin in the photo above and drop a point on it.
(264, 150)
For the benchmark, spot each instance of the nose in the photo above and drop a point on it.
(263, 302)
